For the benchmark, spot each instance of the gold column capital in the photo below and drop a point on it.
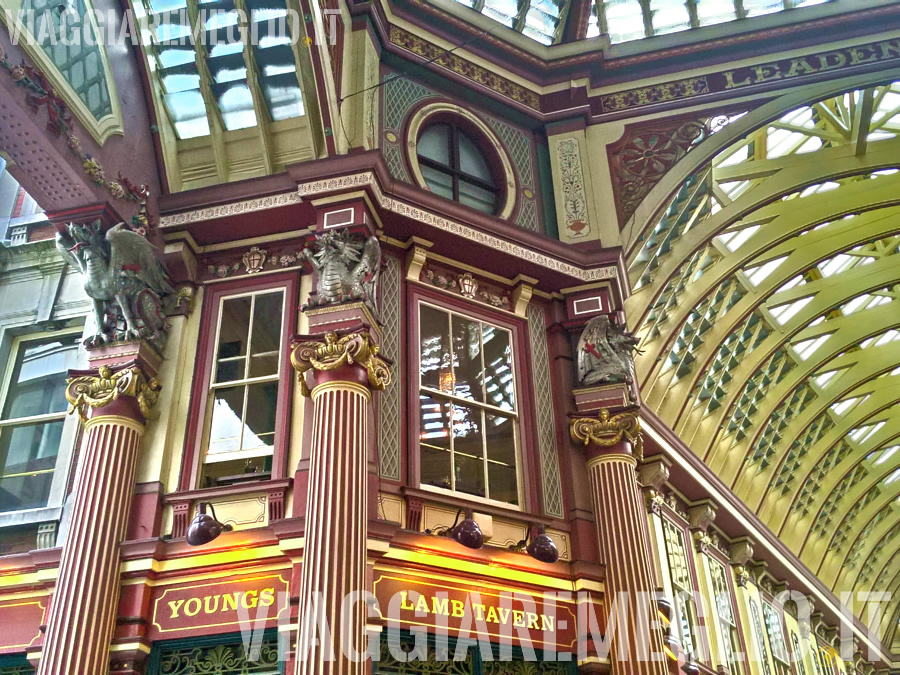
(89, 390)
(607, 430)
(333, 351)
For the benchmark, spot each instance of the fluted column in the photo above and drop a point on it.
(620, 520)
(345, 370)
(80, 625)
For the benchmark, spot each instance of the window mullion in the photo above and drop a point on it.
(249, 337)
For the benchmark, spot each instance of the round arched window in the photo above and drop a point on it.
(453, 166)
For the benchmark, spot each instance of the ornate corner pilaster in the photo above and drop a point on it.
(333, 351)
(98, 391)
(702, 542)
(655, 501)
(608, 430)
(741, 575)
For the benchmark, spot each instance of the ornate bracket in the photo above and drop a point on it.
(98, 391)
(608, 430)
(334, 352)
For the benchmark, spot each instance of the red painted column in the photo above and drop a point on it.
(82, 614)
(345, 371)
(620, 520)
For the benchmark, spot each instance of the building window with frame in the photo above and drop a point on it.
(34, 411)
(776, 640)
(731, 641)
(454, 167)
(759, 637)
(468, 414)
(798, 654)
(682, 588)
(245, 384)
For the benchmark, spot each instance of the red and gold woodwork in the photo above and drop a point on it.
(114, 404)
(612, 443)
(344, 370)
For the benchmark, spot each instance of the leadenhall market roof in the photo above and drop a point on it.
(765, 297)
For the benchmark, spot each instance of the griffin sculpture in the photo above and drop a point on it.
(348, 267)
(123, 278)
(605, 353)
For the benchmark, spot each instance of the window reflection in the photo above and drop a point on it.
(467, 409)
(244, 396)
(32, 422)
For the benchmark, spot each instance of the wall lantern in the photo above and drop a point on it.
(663, 608)
(672, 647)
(541, 546)
(466, 533)
(204, 528)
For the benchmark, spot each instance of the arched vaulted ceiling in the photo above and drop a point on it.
(767, 302)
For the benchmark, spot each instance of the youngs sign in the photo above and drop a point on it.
(220, 605)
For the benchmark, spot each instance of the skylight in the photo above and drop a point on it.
(845, 406)
(624, 19)
(783, 313)
(862, 434)
(883, 455)
(807, 348)
(756, 275)
(823, 379)
(211, 75)
(886, 337)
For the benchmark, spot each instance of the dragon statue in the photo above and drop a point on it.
(605, 353)
(123, 278)
(348, 267)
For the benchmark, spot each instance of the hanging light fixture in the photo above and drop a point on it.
(540, 547)
(204, 528)
(466, 533)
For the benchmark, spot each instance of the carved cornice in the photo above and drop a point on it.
(98, 391)
(333, 351)
(608, 430)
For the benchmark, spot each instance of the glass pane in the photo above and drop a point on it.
(669, 16)
(188, 112)
(468, 450)
(434, 144)
(434, 441)
(39, 380)
(476, 197)
(498, 374)
(262, 401)
(757, 7)
(714, 11)
(234, 324)
(504, 11)
(266, 347)
(228, 68)
(29, 453)
(236, 104)
(501, 454)
(625, 20)
(434, 352)
(438, 182)
(226, 426)
(467, 370)
(282, 92)
(471, 161)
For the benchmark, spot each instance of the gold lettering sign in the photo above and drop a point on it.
(219, 603)
(812, 64)
(411, 601)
